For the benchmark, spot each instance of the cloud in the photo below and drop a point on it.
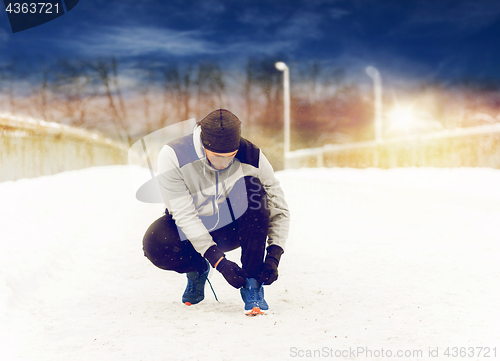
(257, 17)
(211, 6)
(460, 16)
(4, 36)
(302, 26)
(256, 47)
(337, 13)
(138, 40)
(281, 31)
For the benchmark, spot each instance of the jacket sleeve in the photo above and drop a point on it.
(278, 207)
(179, 201)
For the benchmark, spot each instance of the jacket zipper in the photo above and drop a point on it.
(216, 188)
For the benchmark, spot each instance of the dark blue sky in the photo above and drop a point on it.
(405, 39)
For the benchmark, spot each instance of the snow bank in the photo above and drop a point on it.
(400, 260)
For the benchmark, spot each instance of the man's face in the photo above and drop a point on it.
(220, 160)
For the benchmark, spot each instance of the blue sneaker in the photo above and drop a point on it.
(253, 295)
(195, 289)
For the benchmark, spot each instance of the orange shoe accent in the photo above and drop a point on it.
(254, 312)
(187, 303)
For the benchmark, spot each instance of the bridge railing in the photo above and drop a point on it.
(31, 148)
(462, 147)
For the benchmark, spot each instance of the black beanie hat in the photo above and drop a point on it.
(221, 131)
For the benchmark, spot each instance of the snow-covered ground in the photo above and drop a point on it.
(379, 263)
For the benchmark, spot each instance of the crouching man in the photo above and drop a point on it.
(220, 193)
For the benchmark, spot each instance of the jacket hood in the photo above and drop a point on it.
(198, 146)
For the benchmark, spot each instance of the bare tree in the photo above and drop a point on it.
(9, 75)
(269, 81)
(249, 88)
(157, 102)
(106, 72)
(209, 87)
(308, 82)
(114, 80)
(74, 86)
(41, 92)
(145, 94)
(179, 85)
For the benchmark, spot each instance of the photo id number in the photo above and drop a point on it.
(32, 8)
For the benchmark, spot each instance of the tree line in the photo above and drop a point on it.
(128, 100)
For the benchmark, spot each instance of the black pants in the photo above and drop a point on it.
(163, 246)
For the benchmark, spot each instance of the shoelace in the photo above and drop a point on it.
(191, 288)
(255, 294)
(192, 282)
(210, 283)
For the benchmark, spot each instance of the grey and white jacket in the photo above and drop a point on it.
(191, 188)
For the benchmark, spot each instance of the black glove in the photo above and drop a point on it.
(270, 269)
(234, 274)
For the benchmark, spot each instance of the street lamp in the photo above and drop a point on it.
(377, 87)
(286, 105)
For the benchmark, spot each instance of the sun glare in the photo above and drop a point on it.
(402, 118)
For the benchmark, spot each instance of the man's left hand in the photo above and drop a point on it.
(270, 269)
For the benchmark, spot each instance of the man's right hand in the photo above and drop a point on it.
(234, 274)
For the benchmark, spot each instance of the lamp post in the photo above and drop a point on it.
(377, 87)
(286, 105)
